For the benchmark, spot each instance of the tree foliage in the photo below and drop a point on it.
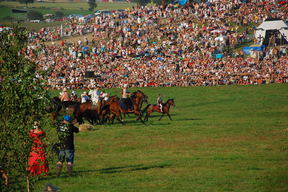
(159, 2)
(26, 1)
(141, 2)
(59, 14)
(23, 100)
(34, 15)
(92, 4)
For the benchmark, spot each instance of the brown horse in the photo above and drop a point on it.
(111, 109)
(165, 109)
(57, 106)
(88, 110)
(118, 106)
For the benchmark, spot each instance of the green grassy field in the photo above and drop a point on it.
(226, 138)
(67, 8)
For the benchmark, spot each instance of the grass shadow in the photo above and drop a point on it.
(110, 170)
(188, 119)
(131, 168)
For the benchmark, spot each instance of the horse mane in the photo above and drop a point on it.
(168, 101)
(140, 91)
(56, 99)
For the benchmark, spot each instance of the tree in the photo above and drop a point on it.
(92, 5)
(59, 14)
(23, 100)
(141, 2)
(34, 15)
(161, 2)
(26, 2)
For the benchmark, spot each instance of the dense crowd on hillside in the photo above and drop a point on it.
(152, 46)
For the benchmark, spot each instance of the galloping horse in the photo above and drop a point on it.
(165, 109)
(116, 106)
(111, 109)
(138, 98)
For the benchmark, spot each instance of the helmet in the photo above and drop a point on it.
(67, 118)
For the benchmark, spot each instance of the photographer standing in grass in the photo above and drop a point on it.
(66, 132)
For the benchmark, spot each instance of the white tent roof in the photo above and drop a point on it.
(271, 25)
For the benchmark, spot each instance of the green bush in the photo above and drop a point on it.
(24, 100)
(34, 15)
(59, 14)
(141, 2)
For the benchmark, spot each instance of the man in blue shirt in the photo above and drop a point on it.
(66, 132)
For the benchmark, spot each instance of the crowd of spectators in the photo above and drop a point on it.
(155, 46)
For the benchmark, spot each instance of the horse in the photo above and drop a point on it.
(91, 116)
(111, 109)
(155, 108)
(118, 106)
(137, 99)
(88, 110)
(58, 106)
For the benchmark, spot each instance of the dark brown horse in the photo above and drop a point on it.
(155, 108)
(118, 106)
(110, 109)
(87, 109)
(57, 106)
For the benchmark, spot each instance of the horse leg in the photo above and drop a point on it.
(161, 116)
(139, 117)
(80, 119)
(91, 121)
(119, 118)
(169, 116)
(111, 118)
(148, 115)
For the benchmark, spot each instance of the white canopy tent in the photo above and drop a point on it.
(269, 27)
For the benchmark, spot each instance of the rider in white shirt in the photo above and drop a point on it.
(94, 93)
(84, 97)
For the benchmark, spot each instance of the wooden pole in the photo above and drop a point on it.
(28, 184)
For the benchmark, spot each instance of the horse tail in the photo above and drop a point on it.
(145, 109)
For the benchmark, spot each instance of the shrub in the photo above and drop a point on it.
(59, 14)
(34, 15)
(24, 99)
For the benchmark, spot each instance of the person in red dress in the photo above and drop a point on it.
(37, 163)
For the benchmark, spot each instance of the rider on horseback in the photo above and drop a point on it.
(125, 98)
(74, 95)
(84, 97)
(64, 96)
(160, 102)
(94, 93)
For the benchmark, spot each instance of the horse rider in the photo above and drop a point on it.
(125, 97)
(74, 95)
(105, 96)
(160, 103)
(124, 93)
(95, 94)
(64, 96)
(84, 97)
